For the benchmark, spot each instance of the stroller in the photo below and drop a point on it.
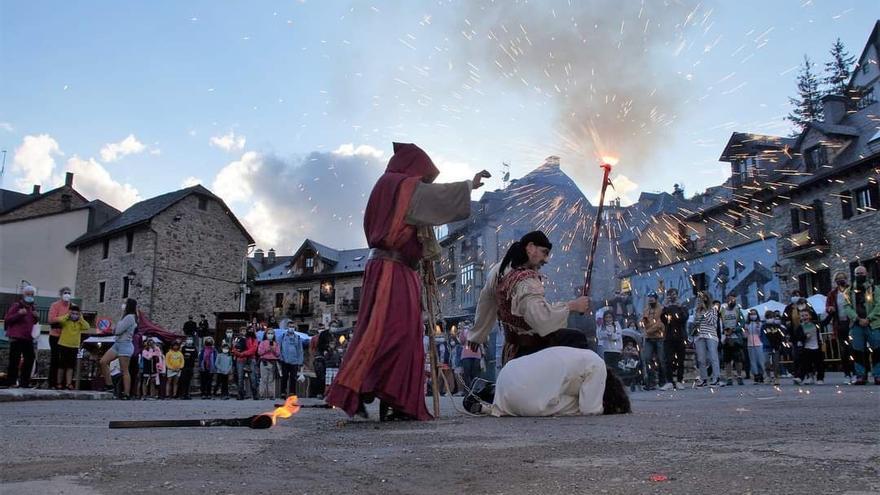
(629, 368)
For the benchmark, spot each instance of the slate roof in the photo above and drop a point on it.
(336, 262)
(144, 211)
(11, 199)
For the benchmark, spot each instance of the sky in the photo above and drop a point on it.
(287, 110)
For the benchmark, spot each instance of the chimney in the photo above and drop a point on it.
(258, 256)
(36, 190)
(552, 161)
(834, 107)
(68, 179)
(678, 192)
(271, 259)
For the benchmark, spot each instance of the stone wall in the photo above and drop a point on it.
(51, 202)
(853, 239)
(344, 287)
(198, 262)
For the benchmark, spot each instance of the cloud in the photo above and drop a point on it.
(228, 142)
(190, 181)
(624, 188)
(321, 195)
(6, 126)
(451, 171)
(128, 146)
(93, 181)
(34, 160)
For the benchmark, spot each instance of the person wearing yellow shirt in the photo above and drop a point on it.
(173, 365)
(72, 326)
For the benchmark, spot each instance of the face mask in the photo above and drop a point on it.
(794, 299)
(209, 344)
(841, 283)
(189, 342)
(270, 336)
(860, 279)
(226, 350)
(74, 317)
(122, 307)
(731, 305)
(754, 318)
(29, 299)
(65, 297)
(653, 304)
(800, 306)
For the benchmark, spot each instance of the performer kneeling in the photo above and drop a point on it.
(514, 294)
(558, 381)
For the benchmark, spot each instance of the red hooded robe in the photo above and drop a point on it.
(386, 357)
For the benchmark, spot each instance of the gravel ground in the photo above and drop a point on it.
(748, 439)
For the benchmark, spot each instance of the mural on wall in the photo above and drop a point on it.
(744, 271)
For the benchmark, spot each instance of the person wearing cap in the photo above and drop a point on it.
(58, 309)
(655, 333)
(514, 294)
(19, 325)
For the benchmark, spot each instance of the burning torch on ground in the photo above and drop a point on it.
(262, 421)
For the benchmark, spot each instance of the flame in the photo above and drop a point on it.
(610, 160)
(290, 407)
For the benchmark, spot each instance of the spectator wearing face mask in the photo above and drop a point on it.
(835, 305)
(269, 352)
(791, 320)
(59, 308)
(222, 369)
(864, 311)
(655, 332)
(755, 345)
(773, 339)
(173, 364)
(206, 367)
(72, 327)
(19, 325)
(244, 350)
(190, 356)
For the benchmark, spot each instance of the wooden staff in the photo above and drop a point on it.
(588, 278)
(429, 281)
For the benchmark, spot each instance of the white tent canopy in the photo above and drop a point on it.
(767, 306)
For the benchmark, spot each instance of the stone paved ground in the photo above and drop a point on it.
(749, 439)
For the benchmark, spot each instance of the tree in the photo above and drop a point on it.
(837, 71)
(807, 105)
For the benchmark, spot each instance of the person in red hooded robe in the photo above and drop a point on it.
(386, 358)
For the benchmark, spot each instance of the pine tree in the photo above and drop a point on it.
(808, 105)
(838, 70)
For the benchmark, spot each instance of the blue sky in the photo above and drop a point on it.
(285, 80)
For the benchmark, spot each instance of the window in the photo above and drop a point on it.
(203, 203)
(816, 157)
(101, 290)
(328, 292)
(441, 231)
(126, 283)
(279, 299)
(873, 266)
(106, 249)
(356, 294)
(129, 242)
(471, 280)
(866, 199)
(699, 282)
(304, 301)
(846, 204)
(811, 283)
(309, 264)
(866, 98)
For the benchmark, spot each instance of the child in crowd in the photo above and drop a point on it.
(773, 339)
(269, 352)
(150, 359)
(116, 377)
(811, 366)
(611, 339)
(732, 340)
(206, 367)
(755, 345)
(333, 360)
(72, 327)
(222, 369)
(173, 365)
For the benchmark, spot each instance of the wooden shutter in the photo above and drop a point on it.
(795, 220)
(846, 199)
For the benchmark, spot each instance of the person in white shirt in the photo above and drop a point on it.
(610, 339)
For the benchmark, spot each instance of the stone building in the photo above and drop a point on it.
(35, 230)
(316, 284)
(179, 254)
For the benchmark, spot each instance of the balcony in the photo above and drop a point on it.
(806, 244)
(304, 310)
(445, 269)
(350, 306)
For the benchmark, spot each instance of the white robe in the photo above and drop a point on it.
(558, 381)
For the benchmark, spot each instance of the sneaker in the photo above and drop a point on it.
(860, 381)
(714, 383)
(646, 388)
(729, 382)
(666, 386)
(702, 383)
(677, 386)
(797, 381)
(776, 382)
(876, 381)
(739, 381)
(820, 382)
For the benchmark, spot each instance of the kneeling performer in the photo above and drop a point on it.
(514, 294)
